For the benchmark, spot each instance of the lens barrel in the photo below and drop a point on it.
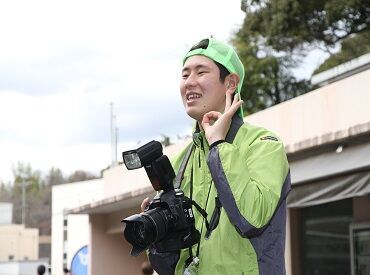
(144, 229)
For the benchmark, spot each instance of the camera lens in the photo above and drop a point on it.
(144, 229)
(142, 237)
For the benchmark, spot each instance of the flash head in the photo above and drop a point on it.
(142, 156)
(131, 160)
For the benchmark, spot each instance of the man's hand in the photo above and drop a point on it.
(144, 204)
(215, 124)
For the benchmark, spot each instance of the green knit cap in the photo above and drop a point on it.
(223, 54)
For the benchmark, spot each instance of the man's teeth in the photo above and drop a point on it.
(193, 96)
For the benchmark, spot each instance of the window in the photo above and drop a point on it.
(360, 248)
(326, 240)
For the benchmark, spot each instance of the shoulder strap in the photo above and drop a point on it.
(236, 123)
(180, 173)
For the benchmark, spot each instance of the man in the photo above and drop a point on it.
(236, 172)
(41, 270)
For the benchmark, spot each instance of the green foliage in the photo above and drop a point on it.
(290, 24)
(352, 47)
(276, 34)
(268, 79)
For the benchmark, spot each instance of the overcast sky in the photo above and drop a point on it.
(63, 62)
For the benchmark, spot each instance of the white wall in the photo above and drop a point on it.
(6, 213)
(22, 267)
(68, 196)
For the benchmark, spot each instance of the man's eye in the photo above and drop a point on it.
(201, 72)
(185, 76)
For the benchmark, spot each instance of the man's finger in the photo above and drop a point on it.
(235, 107)
(236, 98)
(209, 117)
(144, 204)
(229, 96)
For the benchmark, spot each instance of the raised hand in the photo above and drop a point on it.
(216, 124)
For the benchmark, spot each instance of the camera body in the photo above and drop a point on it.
(168, 221)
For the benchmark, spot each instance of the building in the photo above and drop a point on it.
(23, 267)
(18, 243)
(19, 246)
(327, 138)
(70, 232)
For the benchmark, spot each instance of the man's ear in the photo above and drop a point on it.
(232, 81)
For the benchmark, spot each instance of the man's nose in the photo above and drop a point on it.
(191, 80)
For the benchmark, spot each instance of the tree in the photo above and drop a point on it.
(37, 194)
(33, 184)
(293, 24)
(352, 47)
(5, 192)
(80, 175)
(166, 140)
(277, 34)
(54, 177)
(268, 79)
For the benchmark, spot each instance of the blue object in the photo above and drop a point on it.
(79, 262)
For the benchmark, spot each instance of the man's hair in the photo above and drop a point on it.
(41, 269)
(203, 44)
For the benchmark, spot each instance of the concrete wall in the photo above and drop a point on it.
(20, 242)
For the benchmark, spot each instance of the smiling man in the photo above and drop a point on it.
(236, 172)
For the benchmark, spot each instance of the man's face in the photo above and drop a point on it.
(201, 88)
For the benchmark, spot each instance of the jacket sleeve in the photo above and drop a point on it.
(251, 180)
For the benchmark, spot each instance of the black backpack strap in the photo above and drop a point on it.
(180, 173)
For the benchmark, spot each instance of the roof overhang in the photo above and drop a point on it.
(113, 204)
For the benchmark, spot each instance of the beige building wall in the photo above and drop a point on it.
(332, 112)
(18, 243)
(109, 251)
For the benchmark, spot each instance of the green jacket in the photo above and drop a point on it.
(251, 178)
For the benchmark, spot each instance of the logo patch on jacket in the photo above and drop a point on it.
(269, 138)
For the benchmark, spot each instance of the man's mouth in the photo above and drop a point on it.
(192, 96)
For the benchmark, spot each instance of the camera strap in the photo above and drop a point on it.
(180, 174)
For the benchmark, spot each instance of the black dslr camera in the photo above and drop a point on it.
(168, 221)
